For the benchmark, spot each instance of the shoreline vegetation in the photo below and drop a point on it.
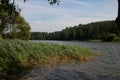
(105, 31)
(17, 56)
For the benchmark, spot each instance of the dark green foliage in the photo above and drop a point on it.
(111, 37)
(39, 36)
(12, 25)
(92, 31)
(21, 30)
(8, 12)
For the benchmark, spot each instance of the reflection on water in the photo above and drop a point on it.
(105, 67)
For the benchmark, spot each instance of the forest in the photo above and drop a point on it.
(104, 30)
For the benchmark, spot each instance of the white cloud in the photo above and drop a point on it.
(45, 18)
(78, 2)
(38, 22)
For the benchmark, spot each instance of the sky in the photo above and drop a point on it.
(43, 17)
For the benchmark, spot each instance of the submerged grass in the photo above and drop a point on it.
(15, 55)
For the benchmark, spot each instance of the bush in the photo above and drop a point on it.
(110, 37)
(117, 39)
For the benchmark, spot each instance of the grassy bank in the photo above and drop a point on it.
(17, 55)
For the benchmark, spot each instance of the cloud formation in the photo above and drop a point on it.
(46, 18)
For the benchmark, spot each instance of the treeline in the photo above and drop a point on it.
(104, 30)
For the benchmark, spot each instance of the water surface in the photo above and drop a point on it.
(104, 67)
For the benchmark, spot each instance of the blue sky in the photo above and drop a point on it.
(43, 17)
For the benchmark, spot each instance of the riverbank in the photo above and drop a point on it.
(19, 55)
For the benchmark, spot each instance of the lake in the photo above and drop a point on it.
(104, 67)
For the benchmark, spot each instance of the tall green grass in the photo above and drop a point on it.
(14, 54)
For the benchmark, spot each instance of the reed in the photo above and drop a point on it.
(17, 54)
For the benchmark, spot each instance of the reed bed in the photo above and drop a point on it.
(15, 55)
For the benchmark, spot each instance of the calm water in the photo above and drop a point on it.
(104, 67)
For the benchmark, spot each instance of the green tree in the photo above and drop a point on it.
(7, 12)
(12, 24)
(111, 37)
(23, 28)
(20, 29)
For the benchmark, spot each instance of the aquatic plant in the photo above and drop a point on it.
(15, 55)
